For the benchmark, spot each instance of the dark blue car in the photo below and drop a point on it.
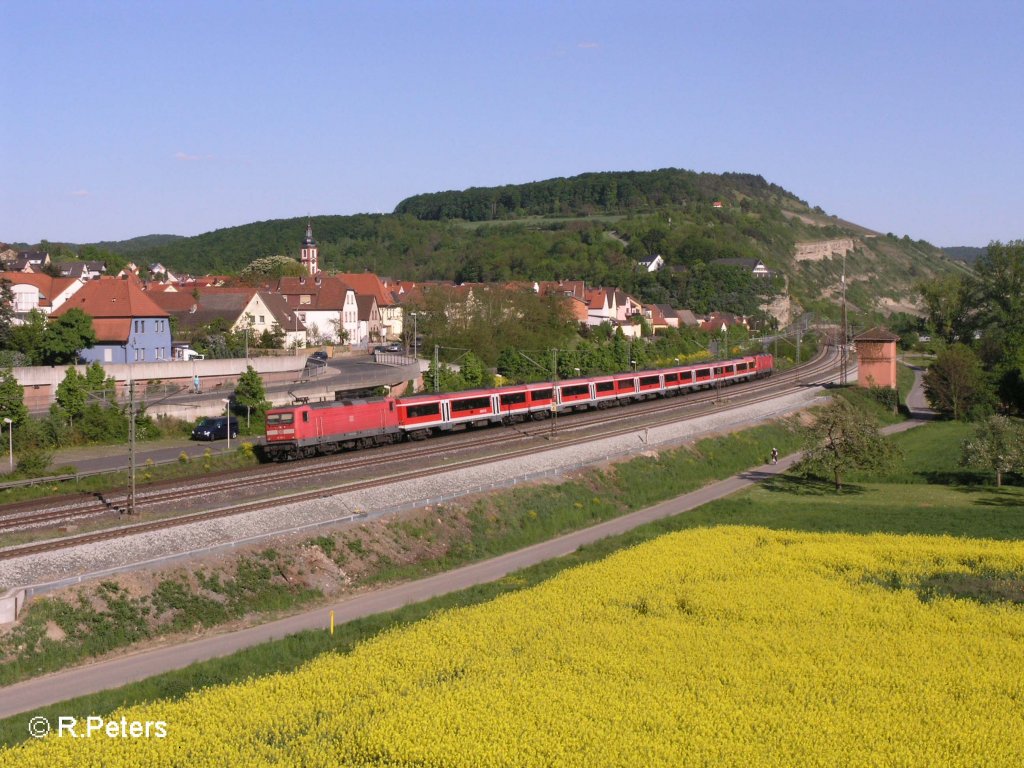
(215, 429)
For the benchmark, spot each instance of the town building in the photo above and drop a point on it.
(129, 326)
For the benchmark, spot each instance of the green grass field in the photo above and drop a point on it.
(926, 492)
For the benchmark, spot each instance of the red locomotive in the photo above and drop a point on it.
(297, 431)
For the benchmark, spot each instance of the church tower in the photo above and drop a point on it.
(309, 251)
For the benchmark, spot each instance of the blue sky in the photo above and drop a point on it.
(124, 118)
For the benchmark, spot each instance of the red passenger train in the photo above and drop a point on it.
(297, 431)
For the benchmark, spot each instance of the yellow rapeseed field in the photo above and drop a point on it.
(722, 646)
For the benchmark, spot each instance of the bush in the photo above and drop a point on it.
(886, 396)
(103, 424)
(34, 461)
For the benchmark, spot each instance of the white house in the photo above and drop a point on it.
(652, 263)
(36, 290)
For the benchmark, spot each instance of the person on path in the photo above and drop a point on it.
(195, 384)
(775, 455)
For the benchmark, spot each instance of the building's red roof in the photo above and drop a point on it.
(367, 284)
(114, 329)
(877, 334)
(48, 286)
(326, 292)
(112, 297)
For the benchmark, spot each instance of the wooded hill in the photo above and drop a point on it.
(593, 227)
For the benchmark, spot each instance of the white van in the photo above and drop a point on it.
(185, 352)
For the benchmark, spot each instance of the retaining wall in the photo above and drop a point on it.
(40, 382)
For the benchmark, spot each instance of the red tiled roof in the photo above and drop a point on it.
(48, 286)
(367, 284)
(112, 329)
(112, 297)
(326, 292)
(877, 334)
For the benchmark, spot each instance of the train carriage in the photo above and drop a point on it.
(514, 404)
(577, 394)
(307, 429)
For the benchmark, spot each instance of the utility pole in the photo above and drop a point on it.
(843, 353)
(130, 504)
(798, 352)
(436, 363)
(554, 378)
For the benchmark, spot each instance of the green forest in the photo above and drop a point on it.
(593, 227)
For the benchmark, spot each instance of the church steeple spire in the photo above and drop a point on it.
(309, 251)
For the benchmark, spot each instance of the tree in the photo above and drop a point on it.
(78, 393)
(272, 338)
(949, 304)
(12, 398)
(1000, 302)
(955, 383)
(6, 313)
(473, 372)
(997, 445)
(66, 337)
(99, 384)
(72, 393)
(842, 439)
(250, 393)
(271, 268)
(338, 326)
(27, 338)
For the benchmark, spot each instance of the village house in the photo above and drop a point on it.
(326, 305)
(129, 325)
(755, 267)
(370, 328)
(238, 309)
(83, 270)
(720, 322)
(652, 263)
(388, 308)
(611, 305)
(32, 290)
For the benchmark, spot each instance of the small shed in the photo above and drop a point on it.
(876, 358)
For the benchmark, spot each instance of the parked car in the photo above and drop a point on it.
(389, 348)
(317, 358)
(215, 429)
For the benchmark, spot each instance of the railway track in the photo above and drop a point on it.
(538, 436)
